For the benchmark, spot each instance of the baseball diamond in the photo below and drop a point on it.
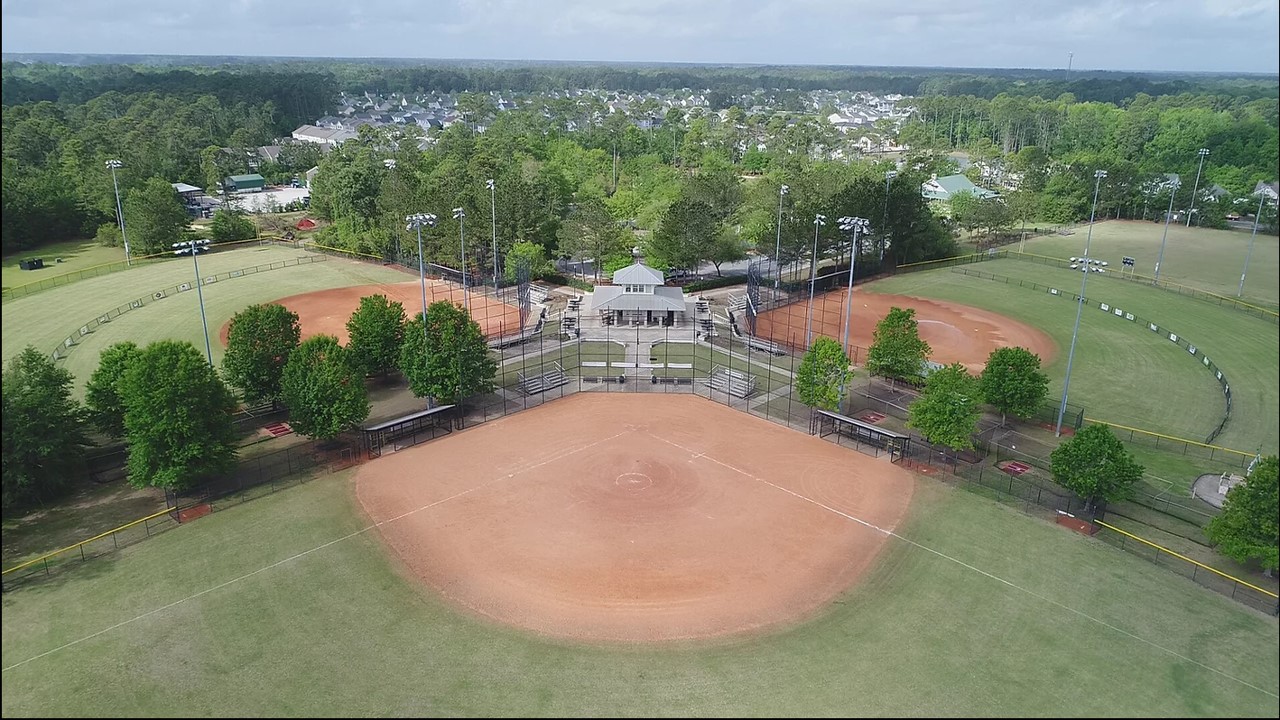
(635, 518)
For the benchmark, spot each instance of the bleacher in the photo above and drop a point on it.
(534, 384)
(734, 382)
(738, 302)
(538, 294)
(702, 311)
(526, 334)
(753, 342)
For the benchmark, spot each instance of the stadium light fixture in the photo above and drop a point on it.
(416, 221)
(818, 221)
(1174, 184)
(1062, 408)
(195, 247)
(889, 175)
(857, 225)
(493, 210)
(1202, 152)
(777, 246)
(124, 237)
(459, 214)
(1249, 253)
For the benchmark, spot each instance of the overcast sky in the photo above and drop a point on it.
(1204, 35)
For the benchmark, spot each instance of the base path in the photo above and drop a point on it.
(955, 333)
(327, 311)
(635, 518)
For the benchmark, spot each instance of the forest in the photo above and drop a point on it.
(704, 186)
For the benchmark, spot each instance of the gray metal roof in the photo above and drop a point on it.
(637, 274)
(612, 297)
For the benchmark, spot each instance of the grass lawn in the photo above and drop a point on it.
(1199, 257)
(289, 606)
(1123, 373)
(46, 318)
(77, 255)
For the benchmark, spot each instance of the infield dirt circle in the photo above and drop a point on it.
(635, 518)
(955, 333)
(327, 311)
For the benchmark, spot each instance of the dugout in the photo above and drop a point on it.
(409, 430)
(824, 423)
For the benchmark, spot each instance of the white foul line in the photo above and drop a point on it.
(967, 566)
(304, 553)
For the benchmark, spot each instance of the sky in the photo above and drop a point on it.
(1168, 35)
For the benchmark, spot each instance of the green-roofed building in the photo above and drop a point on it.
(244, 183)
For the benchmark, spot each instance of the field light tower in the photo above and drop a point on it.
(1202, 152)
(415, 222)
(116, 165)
(1174, 184)
(818, 221)
(194, 247)
(459, 214)
(857, 225)
(1097, 183)
(493, 209)
(777, 246)
(889, 175)
(1249, 253)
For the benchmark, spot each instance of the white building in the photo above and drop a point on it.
(638, 296)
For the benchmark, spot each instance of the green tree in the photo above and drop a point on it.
(533, 254)
(948, 409)
(102, 394)
(44, 441)
(897, 352)
(450, 361)
(259, 340)
(591, 233)
(231, 226)
(1248, 526)
(177, 417)
(824, 375)
(323, 389)
(1012, 382)
(686, 236)
(154, 218)
(1095, 465)
(376, 332)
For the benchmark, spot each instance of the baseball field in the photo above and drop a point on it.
(638, 555)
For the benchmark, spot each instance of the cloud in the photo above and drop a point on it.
(1209, 35)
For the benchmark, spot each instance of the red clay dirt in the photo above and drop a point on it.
(327, 311)
(635, 518)
(955, 333)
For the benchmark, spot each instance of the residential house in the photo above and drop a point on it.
(1269, 190)
(939, 191)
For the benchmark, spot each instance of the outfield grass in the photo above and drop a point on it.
(1124, 373)
(283, 606)
(45, 319)
(76, 255)
(1201, 258)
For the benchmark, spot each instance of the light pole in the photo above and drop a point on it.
(1196, 188)
(1097, 183)
(194, 247)
(390, 164)
(1174, 184)
(493, 209)
(115, 165)
(818, 221)
(857, 225)
(1257, 218)
(415, 222)
(777, 246)
(889, 175)
(459, 214)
